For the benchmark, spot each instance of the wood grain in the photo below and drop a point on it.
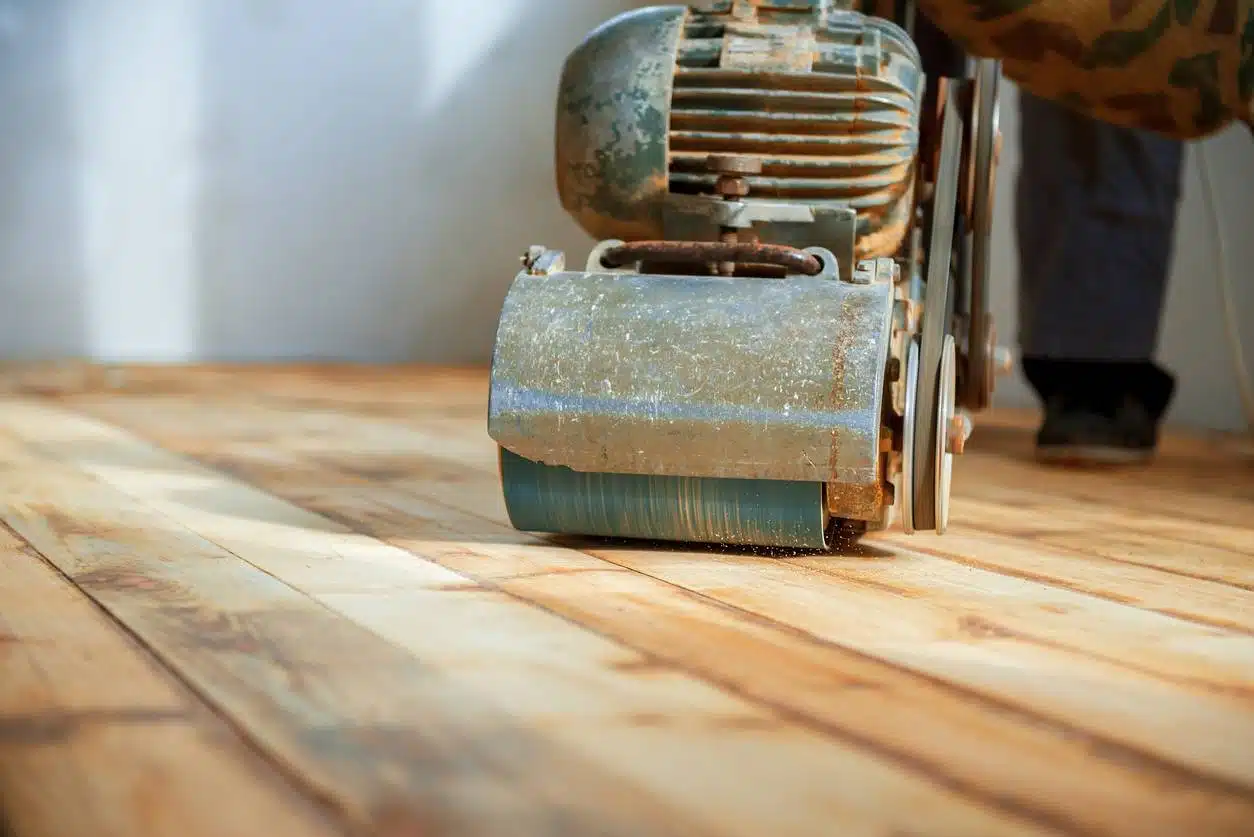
(1220, 521)
(1102, 540)
(1067, 561)
(95, 739)
(1093, 627)
(281, 619)
(367, 726)
(323, 554)
(1098, 704)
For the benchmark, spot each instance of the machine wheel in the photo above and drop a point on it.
(920, 464)
(979, 372)
(945, 413)
(909, 422)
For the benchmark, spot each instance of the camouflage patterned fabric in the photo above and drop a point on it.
(1181, 68)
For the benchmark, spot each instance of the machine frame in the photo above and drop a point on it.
(642, 450)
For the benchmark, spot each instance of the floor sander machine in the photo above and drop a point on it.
(784, 328)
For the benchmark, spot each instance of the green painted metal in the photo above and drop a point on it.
(612, 112)
(737, 512)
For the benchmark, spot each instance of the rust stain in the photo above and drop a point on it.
(859, 502)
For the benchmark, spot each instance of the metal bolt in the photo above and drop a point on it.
(863, 273)
(732, 185)
(887, 271)
(957, 433)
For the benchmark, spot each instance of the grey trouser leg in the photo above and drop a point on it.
(1095, 217)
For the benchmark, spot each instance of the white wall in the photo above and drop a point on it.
(237, 179)
(41, 239)
(243, 179)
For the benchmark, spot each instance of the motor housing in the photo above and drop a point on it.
(826, 99)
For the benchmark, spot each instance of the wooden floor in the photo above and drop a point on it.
(286, 602)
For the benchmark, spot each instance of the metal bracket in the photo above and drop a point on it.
(831, 265)
(596, 263)
(742, 214)
(840, 227)
(875, 270)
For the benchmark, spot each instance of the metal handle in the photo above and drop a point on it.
(790, 258)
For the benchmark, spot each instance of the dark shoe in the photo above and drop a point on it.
(1099, 413)
(1079, 435)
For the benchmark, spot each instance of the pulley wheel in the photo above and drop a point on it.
(937, 319)
(909, 422)
(979, 373)
(945, 412)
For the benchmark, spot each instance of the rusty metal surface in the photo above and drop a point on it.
(688, 376)
(791, 258)
(858, 502)
(612, 111)
(827, 100)
(826, 97)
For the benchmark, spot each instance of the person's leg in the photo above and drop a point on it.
(1095, 217)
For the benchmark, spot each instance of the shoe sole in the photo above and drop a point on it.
(1091, 455)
